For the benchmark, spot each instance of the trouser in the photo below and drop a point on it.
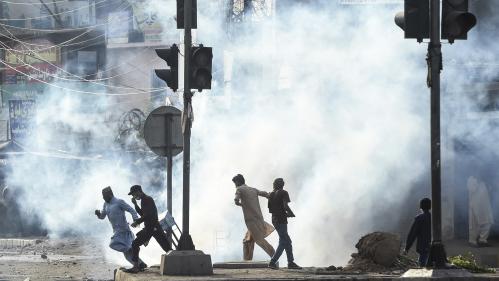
(143, 237)
(479, 232)
(423, 258)
(285, 244)
(129, 257)
(249, 246)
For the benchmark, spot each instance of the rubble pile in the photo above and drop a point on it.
(378, 252)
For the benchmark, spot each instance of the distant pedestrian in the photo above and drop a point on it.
(421, 231)
(258, 229)
(480, 213)
(114, 209)
(278, 206)
(152, 228)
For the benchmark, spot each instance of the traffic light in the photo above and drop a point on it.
(415, 19)
(456, 20)
(201, 66)
(180, 14)
(170, 76)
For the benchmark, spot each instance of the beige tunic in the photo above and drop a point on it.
(480, 209)
(248, 197)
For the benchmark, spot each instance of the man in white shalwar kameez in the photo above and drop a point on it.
(115, 209)
(258, 229)
(480, 212)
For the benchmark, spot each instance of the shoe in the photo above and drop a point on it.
(133, 270)
(142, 266)
(292, 265)
(273, 265)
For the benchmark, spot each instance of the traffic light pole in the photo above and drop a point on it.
(185, 242)
(169, 167)
(437, 257)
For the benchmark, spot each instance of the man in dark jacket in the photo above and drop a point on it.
(149, 216)
(421, 231)
(278, 206)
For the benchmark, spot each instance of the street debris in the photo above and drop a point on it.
(468, 262)
(377, 252)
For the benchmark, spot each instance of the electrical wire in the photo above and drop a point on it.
(88, 30)
(79, 78)
(107, 69)
(78, 91)
(128, 4)
(29, 3)
(61, 13)
(71, 74)
(116, 102)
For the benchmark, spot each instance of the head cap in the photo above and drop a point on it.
(107, 189)
(135, 188)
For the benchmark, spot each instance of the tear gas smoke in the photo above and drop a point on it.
(329, 97)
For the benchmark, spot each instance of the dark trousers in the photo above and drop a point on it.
(144, 235)
(423, 258)
(284, 243)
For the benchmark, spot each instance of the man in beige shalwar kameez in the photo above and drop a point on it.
(258, 229)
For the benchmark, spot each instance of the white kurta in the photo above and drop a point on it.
(480, 210)
(248, 197)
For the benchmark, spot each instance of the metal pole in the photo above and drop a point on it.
(437, 257)
(185, 239)
(169, 171)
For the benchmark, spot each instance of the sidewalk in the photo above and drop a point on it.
(152, 274)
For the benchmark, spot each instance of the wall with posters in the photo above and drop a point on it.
(21, 113)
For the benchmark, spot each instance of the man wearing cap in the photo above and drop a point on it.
(149, 216)
(122, 238)
(258, 229)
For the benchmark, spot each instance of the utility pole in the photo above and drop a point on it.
(197, 75)
(437, 256)
(185, 242)
(421, 20)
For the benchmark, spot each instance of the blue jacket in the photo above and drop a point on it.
(420, 230)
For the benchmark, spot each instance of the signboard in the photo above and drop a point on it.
(23, 53)
(21, 113)
(26, 74)
(33, 61)
(163, 131)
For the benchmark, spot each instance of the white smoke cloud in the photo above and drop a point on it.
(329, 97)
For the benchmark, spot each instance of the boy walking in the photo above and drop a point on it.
(421, 231)
(278, 206)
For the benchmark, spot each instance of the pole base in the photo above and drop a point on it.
(437, 257)
(185, 243)
(186, 263)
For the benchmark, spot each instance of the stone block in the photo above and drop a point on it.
(186, 263)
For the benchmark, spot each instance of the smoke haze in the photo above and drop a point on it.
(329, 97)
